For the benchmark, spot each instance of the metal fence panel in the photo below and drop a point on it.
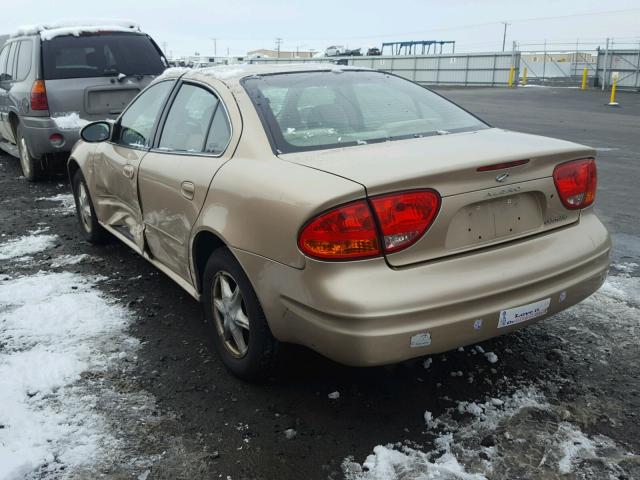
(624, 62)
(454, 69)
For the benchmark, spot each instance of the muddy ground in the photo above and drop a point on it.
(178, 414)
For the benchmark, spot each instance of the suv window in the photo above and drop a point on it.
(24, 60)
(188, 122)
(11, 57)
(136, 123)
(3, 63)
(100, 55)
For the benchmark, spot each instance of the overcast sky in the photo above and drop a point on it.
(188, 26)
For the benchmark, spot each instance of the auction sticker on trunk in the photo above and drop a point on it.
(515, 315)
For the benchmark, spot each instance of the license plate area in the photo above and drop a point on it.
(109, 101)
(490, 220)
(513, 316)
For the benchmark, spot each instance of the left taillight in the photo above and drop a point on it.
(576, 183)
(39, 96)
(351, 231)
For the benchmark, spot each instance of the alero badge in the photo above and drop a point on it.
(501, 177)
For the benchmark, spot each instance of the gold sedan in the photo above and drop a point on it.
(351, 211)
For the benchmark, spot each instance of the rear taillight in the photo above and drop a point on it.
(576, 183)
(350, 232)
(346, 232)
(404, 217)
(39, 96)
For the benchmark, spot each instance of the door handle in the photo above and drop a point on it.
(128, 171)
(188, 190)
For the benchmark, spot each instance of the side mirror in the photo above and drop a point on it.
(96, 132)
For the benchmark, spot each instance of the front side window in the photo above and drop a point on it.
(136, 124)
(189, 120)
(324, 109)
(103, 54)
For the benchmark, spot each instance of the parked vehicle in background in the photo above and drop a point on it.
(373, 51)
(356, 52)
(348, 210)
(334, 51)
(55, 79)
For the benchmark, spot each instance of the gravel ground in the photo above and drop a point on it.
(559, 399)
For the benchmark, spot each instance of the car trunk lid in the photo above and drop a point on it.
(479, 208)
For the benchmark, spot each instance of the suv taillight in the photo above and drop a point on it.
(39, 96)
(350, 231)
(576, 183)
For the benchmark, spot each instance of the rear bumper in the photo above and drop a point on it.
(365, 313)
(38, 130)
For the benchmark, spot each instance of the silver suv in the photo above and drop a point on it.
(55, 79)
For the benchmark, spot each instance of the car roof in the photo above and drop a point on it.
(232, 74)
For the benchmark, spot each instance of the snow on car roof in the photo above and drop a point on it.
(233, 73)
(76, 28)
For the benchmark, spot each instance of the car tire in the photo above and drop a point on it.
(90, 228)
(233, 312)
(31, 167)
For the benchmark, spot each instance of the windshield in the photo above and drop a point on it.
(99, 55)
(316, 110)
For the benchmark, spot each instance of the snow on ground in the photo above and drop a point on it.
(70, 121)
(67, 260)
(520, 434)
(66, 199)
(54, 327)
(22, 247)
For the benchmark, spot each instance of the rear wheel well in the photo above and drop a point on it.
(14, 121)
(204, 245)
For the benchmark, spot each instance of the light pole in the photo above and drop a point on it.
(504, 35)
(278, 43)
(215, 47)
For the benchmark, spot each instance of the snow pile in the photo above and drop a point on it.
(222, 72)
(53, 328)
(77, 27)
(26, 245)
(70, 121)
(520, 433)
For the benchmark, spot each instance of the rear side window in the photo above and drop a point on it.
(11, 60)
(219, 134)
(100, 55)
(136, 124)
(24, 60)
(193, 113)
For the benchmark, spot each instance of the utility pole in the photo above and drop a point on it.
(504, 35)
(278, 43)
(215, 46)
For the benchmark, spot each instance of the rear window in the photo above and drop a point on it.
(316, 110)
(100, 55)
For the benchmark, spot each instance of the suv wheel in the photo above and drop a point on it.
(91, 230)
(31, 167)
(235, 318)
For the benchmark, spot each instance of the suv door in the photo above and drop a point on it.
(174, 178)
(6, 69)
(116, 163)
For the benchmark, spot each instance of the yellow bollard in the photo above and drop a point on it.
(512, 72)
(524, 76)
(612, 99)
(585, 72)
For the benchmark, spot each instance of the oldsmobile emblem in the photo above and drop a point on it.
(501, 177)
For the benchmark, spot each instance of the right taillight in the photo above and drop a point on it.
(576, 183)
(350, 232)
(39, 96)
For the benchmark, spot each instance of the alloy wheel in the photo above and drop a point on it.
(84, 207)
(25, 161)
(230, 314)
